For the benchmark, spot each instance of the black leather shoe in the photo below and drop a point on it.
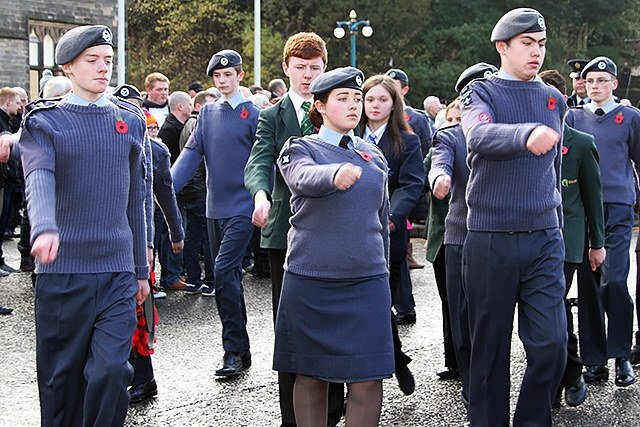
(624, 372)
(143, 391)
(233, 364)
(575, 392)
(406, 318)
(449, 374)
(595, 373)
(4, 310)
(405, 381)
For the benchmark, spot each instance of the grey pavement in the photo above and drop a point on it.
(189, 349)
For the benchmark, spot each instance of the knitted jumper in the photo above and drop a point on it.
(617, 136)
(86, 181)
(449, 158)
(335, 234)
(163, 190)
(511, 189)
(224, 136)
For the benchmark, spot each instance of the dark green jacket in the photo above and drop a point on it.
(581, 194)
(438, 210)
(275, 126)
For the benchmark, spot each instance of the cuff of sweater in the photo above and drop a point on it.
(142, 272)
(176, 237)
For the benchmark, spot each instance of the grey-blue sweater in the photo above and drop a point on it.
(87, 182)
(335, 234)
(511, 189)
(224, 136)
(618, 144)
(449, 158)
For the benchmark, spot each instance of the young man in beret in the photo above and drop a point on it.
(304, 59)
(90, 250)
(224, 135)
(514, 251)
(615, 128)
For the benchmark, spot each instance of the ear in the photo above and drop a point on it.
(285, 69)
(501, 47)
(319, 106)
(241, 76)
(615, 83)
(405, 90)
(66, 68)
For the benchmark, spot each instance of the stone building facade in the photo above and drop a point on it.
(30, 30)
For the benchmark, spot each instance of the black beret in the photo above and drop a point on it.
(576, 65)
(477, 71)
(397, 74)
(126, 91)
(345, 77)
(223, 59)
(601, 63)
(195, 86)
(76, 40)
(518, 21)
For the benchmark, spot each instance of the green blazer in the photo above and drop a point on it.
(275, 126)
(438, 210)
(581, 194)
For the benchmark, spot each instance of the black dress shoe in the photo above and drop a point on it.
(635, 355)
(575, 392)
(143, 391)
(4, 310)
(233, 364)
(449, 374)
(406, 318)
(624, 372)
(595, 373)
(405, 381)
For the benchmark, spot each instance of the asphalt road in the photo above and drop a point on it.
(189, 350)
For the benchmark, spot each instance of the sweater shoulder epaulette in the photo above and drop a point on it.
(40, 104)
(127, 106)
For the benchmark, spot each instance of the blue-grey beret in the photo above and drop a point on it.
(518, 21)
(477, 71)
(397, 74)
(223, 59)
(601, 63)
(576, 65)
(345, 77)
(126, 91)
(76, 40)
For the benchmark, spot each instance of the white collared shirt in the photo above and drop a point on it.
(297, 101)
(378, 134)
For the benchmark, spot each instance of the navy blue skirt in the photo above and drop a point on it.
(335, 330)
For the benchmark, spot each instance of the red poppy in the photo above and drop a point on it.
(619, 117)
(365, 156)
(121, 127)
(244, 113)
(551, 102)
(406, 117)
(565, 150)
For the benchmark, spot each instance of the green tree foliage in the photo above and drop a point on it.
(432, 40)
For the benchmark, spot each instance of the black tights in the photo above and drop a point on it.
(310, 401)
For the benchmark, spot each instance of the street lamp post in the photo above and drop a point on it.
(352, 25)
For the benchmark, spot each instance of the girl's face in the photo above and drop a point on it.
(378, 105)
(342, 111)
(453, 116)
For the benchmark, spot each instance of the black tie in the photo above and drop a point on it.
(344, 141)
(599, 112)
(581, 102)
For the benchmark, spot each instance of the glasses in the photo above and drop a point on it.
(152, 128)
(590, 82)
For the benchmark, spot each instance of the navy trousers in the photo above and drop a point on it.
(170, 263)
(502, 270)
(614, 291)
(229, 238)
(196, 239)
(84, 328)
(458, 314)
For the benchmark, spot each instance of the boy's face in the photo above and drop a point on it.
(227, 81)
(523, 55)
(90, 72)
(13, 106)
(158, 93)
(600, 86)
(302, 72)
